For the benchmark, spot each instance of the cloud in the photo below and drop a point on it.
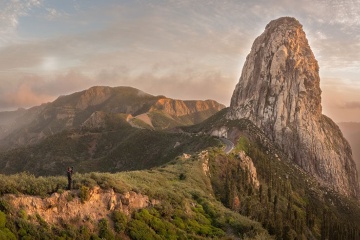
(52, 13)
(10, 11)
(339, 99)
(352, 105)
(183, 49)
(148, 52)
(32, 89)
(186, 83)
(23, 96)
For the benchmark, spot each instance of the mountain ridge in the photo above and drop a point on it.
(72, 111)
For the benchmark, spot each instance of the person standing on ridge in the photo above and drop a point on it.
(69, 176)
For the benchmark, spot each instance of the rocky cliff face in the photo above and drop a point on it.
(279, 92)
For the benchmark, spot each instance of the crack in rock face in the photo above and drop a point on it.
(279, 91)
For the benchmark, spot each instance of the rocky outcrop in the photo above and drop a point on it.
(93, 97)
(246, 163)
(180, 108)
(279, 92)
(96, 120)
(204, 157)
(65, 207)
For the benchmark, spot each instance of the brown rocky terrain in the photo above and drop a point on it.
(279, 92)
(60, 207)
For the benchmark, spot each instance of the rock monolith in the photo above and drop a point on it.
(279, 92)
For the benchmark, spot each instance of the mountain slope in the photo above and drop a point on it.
(99, 106)
(289, 202)
(119, 149)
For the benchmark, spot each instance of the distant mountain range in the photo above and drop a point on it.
(101, 107)
(101, 129)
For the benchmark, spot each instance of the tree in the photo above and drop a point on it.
(269, 194)
(260, 193)
(275, 206)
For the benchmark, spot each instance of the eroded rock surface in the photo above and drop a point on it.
(247, 164)
(279, 92)
(59, 207)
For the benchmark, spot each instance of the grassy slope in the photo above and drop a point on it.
(188, 208)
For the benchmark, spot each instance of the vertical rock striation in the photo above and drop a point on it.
(279, 92)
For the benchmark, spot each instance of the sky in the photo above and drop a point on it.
(183, 49)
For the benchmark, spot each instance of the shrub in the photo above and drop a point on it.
(84, 194)
(69, 196)
(41, 221)
(5, 206)
(104, 231)
(182, 176)
(120, 221)
(22, 214)
(5, 234)
(140, 230)
(84, 233)
(2, 219)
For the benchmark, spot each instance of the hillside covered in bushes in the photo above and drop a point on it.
(252, 193)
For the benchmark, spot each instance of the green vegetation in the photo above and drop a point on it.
(141, 124)
(287, 202)
(162, 120)
(5, 233)
(115, 150)
(84, 194)
(186, 201)
(186, 208)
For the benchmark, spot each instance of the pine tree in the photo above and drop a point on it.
(275, 206)
(269, 195)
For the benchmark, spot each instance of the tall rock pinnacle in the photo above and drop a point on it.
(279, 92)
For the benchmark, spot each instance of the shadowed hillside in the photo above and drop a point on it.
(113, 150)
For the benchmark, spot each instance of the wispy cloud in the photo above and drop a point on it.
(352, 105)
(23, 95)
(10, 11)
(52, 13)
(171, 47)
